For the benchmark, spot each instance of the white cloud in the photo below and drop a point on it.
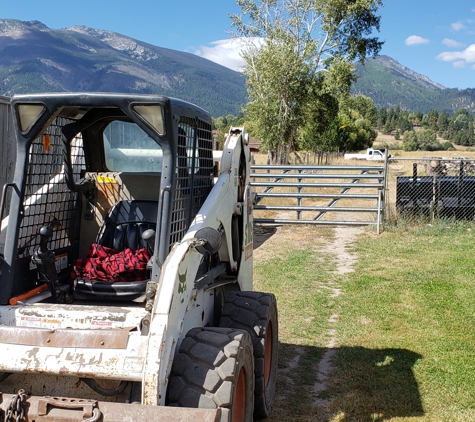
(458, 26)
(223, 52)
(452, 43)
(459, 64)
(467, 55)
(227, 52)
(416, 40)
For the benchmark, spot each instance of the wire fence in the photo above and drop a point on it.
(431, 187)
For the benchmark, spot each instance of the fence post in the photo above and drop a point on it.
(460, 184)
(414, 184)
(299, 198)
(378, 217)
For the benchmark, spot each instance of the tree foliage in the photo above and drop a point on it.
(458, 128)
(298, 54)
(222, 124)
(410, 141)
(346, 125)
(356, 131)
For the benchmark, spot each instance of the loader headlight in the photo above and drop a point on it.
(153, 115)
(29, 114)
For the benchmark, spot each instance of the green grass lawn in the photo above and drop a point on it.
(405, 332)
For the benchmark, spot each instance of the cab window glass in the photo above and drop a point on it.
(128, 148)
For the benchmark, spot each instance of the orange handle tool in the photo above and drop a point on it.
(16, 299)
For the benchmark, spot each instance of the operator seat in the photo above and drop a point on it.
(123, 228)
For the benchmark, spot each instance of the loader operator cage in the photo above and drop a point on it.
(72, 145)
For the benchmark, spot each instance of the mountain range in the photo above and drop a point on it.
(35, 58)
(391, 84)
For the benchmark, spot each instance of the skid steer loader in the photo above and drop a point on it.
(126, 267)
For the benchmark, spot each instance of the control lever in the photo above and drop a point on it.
(149, 236)
(45, 261)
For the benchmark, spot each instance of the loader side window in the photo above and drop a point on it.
(127, 148)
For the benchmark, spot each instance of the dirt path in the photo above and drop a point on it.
(344, 259)
(332, 248)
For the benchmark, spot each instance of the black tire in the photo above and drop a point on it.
(256, 313)
(214, 369)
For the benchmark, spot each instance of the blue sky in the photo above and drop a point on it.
(436, 38)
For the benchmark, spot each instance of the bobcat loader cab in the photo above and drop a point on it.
(126, 267)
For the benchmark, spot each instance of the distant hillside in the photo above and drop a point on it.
(34, 58)
(390, 84)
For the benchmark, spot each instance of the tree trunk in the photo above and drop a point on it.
(270, 157)
(299, 159)
(279, 154)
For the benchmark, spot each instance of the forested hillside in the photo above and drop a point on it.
(435, 131)
(390, 85)
(35, 58)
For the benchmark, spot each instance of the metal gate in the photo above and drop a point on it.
(325, 195)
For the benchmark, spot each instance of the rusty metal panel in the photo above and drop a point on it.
(87, 341)
(64, 409)
(65, 386)
(43, 337)
(54, 316)
(105, 363)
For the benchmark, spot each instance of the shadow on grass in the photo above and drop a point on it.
(262, 234)
(360, 385)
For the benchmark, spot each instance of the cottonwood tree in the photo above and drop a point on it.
(346, 125)
(294, 47)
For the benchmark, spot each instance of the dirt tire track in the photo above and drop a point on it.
(345, 260)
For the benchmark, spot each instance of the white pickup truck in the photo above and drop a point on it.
(370, 154)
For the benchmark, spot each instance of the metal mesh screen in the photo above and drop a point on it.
(48, 201)
(434, 187)
(204, 176)
(194, 174)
